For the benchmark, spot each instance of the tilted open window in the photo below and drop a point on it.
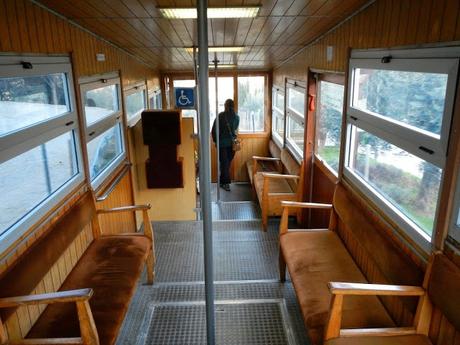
(295, 119)
(135, 102)
(40, 151)
(398, 121)
(278, 115)
(104, 125)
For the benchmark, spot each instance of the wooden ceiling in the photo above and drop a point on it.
(281, 29)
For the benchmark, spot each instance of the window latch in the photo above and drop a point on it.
(427, 150)
(92, 133)
(69, 123)
(26, 65)
(354, 118)
(386, 59)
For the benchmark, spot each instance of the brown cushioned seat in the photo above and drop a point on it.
(110, 266)
(315, 259)
(389, 340)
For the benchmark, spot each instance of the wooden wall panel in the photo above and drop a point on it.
(251, 145)
(323, 186)
(26, 28)
(385, 23)
(120, 196)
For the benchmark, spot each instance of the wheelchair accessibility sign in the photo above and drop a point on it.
(185, 97)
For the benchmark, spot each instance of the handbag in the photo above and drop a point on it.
(236, 143)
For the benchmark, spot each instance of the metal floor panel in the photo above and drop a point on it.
(252, 306)
(237, 210)
(237, 322)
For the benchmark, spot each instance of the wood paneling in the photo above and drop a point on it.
(282, 27)
(28, 28)
(251, 145)
(385, 23)
(116, 223)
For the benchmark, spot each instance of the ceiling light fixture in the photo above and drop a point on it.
(219, 49)
(213, 12)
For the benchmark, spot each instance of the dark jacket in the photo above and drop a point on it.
(228, 126)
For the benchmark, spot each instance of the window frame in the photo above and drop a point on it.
(24, 139)
(106, 123)
(281, 111)
(141, 86)
(402, 136)
(293, 115)
(333, 78)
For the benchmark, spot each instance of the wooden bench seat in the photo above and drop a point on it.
(315, 257)
(440, 290)
(92, 301)
(273, 187)
(413, 339)
(265, 164)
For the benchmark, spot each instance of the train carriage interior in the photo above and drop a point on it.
(230, 172)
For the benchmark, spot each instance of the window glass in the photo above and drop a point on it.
(103, 150)
(295, 134)
(296, 101)
(278, 99)
(135, 103)
(31, 177)
(278, 123)
(100, 103)
(409, 183)
(25, 101)
(413, 98)
(225, 89)
(329, 123)
(251, 99)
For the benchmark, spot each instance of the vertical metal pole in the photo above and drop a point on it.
(195, 76)
(217, 129)
(205, 167)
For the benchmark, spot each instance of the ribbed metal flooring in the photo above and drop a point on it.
(252, 307)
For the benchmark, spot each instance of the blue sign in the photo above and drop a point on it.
(185, 97)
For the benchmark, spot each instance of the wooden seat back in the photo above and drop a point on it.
(29, 270)
(274, 150)
(370, 241)
(291, 167)
(444, 288)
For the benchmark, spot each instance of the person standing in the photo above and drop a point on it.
(228, 131)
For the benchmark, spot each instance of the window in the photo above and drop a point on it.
(155, 100)
(225, 91)
(40, 155)
(328, 123)
(278, 115)
(399, 114)
(104, 135)
(295, 111)
(135, 103)
(251, 99)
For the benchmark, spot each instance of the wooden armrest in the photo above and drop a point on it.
(338, 288)
(259, 158)
(280, 176)
(297, 204)
(47, 298)
(125, 209)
